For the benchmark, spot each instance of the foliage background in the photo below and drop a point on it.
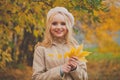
(22, 25)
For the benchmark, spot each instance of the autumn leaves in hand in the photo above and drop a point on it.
(74, 55)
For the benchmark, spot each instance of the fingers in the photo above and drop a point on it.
(75, 58)
(73, 62)
(71, 59)
(71, 65)
(66, 68)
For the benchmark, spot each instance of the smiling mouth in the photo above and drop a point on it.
(58, 31)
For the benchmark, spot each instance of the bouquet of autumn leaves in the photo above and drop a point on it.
(77, 52)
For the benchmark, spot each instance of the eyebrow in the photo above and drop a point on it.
(60, 22)
(55, 22)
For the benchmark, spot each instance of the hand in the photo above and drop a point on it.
(73, 62)
(66, 68)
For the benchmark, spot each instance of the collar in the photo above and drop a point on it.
(58, 43)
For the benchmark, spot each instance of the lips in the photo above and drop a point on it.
(59, 31)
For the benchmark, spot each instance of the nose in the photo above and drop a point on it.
(59, 26)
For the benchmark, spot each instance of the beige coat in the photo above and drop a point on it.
(46, 67)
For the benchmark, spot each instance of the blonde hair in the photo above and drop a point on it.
(47, 42)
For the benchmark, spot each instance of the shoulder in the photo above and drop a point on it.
(39, 49)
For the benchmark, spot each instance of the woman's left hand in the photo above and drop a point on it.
(73, 62)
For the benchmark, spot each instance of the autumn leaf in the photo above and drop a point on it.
(78, 52)
(17, 29)
(66, 55)
(72, 52)
(36, 33)
(51, 55)
(83, 59)
(59, 56)
(79, 49)
(83, 54)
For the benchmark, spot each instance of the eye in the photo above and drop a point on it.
(54, 23)
(63, 23)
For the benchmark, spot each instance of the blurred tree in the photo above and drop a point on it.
(104, 33)
(21, 26)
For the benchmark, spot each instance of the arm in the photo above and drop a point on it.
(81, 72)
(39, 72)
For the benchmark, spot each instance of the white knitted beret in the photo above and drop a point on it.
(62, 10)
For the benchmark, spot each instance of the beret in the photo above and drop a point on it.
(62, 10)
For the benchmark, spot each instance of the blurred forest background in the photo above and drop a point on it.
(97, 25)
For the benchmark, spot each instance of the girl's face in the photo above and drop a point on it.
(58, 27)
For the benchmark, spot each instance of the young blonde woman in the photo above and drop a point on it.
(58, 39)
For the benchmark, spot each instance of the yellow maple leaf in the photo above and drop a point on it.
(72, 52)
(66, 55)
(83, 54)
(78, 52)
(59, 56)
(50, 55)
(79, 49)
(83, 59)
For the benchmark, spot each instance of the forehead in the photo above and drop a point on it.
(58, 18)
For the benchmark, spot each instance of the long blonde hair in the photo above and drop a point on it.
(47, 42)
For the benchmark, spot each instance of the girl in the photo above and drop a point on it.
(49, 62)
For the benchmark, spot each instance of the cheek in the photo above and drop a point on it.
(52, 29)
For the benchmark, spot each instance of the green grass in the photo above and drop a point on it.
(97, 56)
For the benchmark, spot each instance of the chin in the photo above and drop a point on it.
(59, 36)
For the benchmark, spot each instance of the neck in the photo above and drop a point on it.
(59, 40)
